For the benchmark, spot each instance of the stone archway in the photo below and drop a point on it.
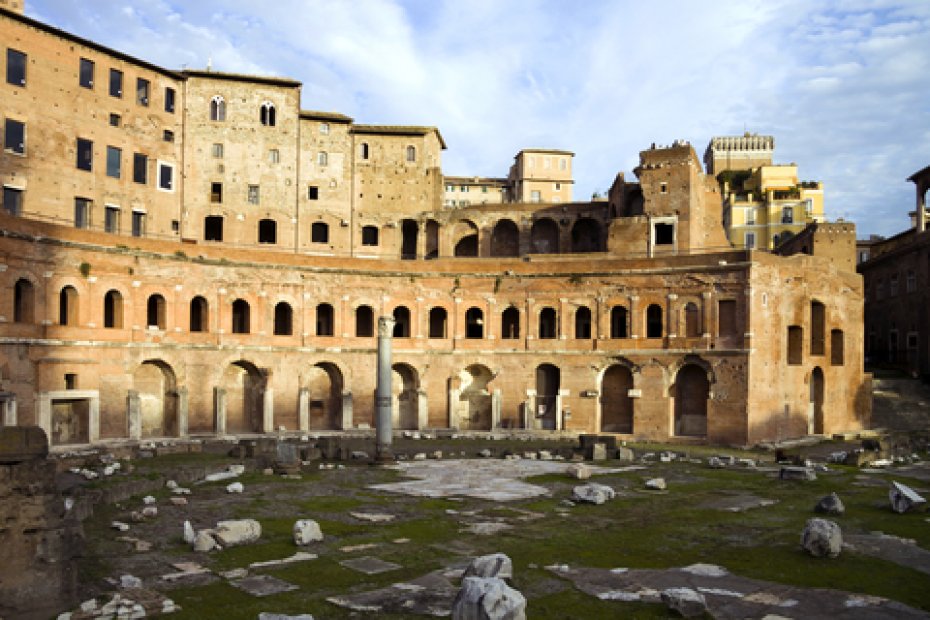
(155, 385)
(691, 392)
(548, 383)
(243, 385)
(616, 404)
(324, 386)
(478, 414)
(405, 388)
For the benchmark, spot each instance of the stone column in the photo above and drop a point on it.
(347, 410)
(303, 409)
(559, 424)
(219, 411)
(93, 419)
(562, 320)
(268, 410)
(134, 414)
(496, 401)
(383, 391)
(634, 318)
(44, 414)
(183, 412)
(9, 410)
(422, 409)
(707, 298)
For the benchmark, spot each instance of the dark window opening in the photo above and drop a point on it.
(168, 135)
(169, 99)
(116, 83)
(86, 73)
(618, 322)
(12, 200)
(364, 322)
(267, 231)
(111, 219)
(654, 321)
(113, 310)
(324, 320)
(510, 324)
(474, 323)
(70, 381)
(23, 301)
(583, 323)
(818, 319)
(283, 319)
(216, 193)
(198, 314)
(155, 312)
(217, 109)
(142, 91)
(369, 235)
(795, 344)
(313, 192)
(240, 317)
(837, 352)
(165, 177)
(213, 228)
(401, 322)
(140, 168)
(81, 213)
(438, 321)
(692, 321)
(364, 150)
(664, 234)
(115, 120)
(138, 224)
(85, 154)
(15, 67)
(114, 161)
(14, 137)
(319, 232)
(409, 234)
(548, 323)
(267, 115)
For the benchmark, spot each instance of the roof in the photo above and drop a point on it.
(398, 130)
(550, 151)
(88, 43)
(474, 180)
(920, 173)
(241, 77)
(317, 115)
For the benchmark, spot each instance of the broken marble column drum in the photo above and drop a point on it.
(383, 411)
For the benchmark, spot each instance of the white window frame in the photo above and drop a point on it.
(173, 176)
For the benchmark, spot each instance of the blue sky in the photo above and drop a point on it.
(843, 86)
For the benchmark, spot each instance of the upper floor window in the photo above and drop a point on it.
(313, 192)
(217, 109)
(787, 215)
(363, 150)
(142, 91)
(85, 154)
(168, 135)
(274, 156)
(86, 73)
(116, 83)
(216, 193)
(319, 232)
(15, 67)
(14, 137)
(253, 195)
(217, 150)
(750, 241)
(140, 168)
(138, 223)
(81, 213)
(411, 153)
(267, 231)
(114, 161)
(911, 282)
(12, 200)
(324, 129)
(267, 114)
(563, 164)
(322, 158)
(165, 177)
(169, 99)
(369, 235)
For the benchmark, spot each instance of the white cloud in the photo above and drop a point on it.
(842, 87)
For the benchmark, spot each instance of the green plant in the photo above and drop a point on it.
(84, 269)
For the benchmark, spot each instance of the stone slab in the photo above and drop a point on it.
(22, 443)
(262, 585)
(370, 565)
(738, 503)
(430, 595)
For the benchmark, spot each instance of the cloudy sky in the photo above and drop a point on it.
(843, 86)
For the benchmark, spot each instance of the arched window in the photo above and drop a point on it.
(217, 108)
(401, 322)
(364, 322)
(267, 231)
(324, 320)
(654, 321)
(267, 114)
(155, 311)
(199, 315)
(618, 322)
(438, 319)
(548, 323)
(474, 323)
(319, 232)
(818, 327)
(583, 323)
(363, 151)
(240, 317)
(510, 324)
(113, 310)
(283, 319)
(411, 153)
(23, 301)
(68, 306)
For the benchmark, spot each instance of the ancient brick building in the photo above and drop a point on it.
(188, 253)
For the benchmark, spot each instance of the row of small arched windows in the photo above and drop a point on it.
(267, 113)
(547, 328)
